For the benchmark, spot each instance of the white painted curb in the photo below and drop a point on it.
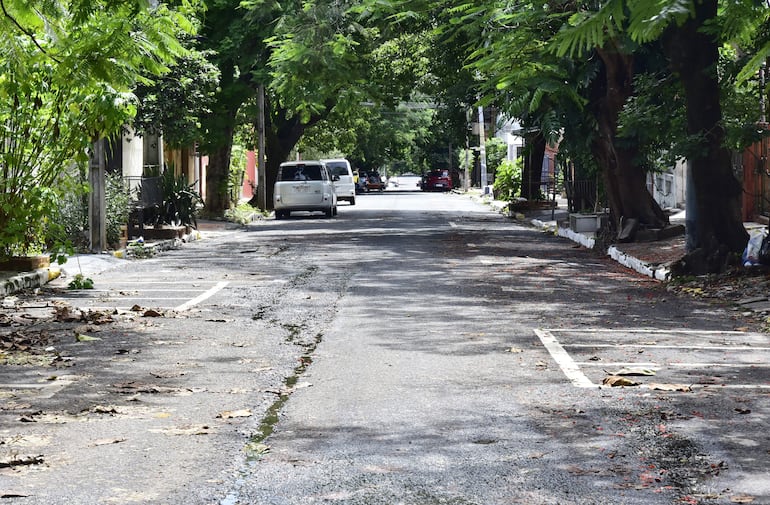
(658, 272)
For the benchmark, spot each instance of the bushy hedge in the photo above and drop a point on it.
(508, 180)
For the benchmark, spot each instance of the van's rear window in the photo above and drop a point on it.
(300, 173)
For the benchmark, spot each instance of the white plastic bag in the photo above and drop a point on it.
(751, 253)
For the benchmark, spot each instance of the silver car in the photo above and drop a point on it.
(304, 186)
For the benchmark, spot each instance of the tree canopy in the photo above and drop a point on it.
(595, 73)
(68, 69)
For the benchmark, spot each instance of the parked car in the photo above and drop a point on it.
(304, 186)
(345, 186)
(374, 182)
(437, 180)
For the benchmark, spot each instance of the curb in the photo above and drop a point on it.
(13, 282)
(656, 271)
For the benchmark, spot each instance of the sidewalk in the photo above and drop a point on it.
(652, 258)
(92, 264)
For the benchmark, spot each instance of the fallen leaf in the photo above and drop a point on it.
(85, 338)
(515, 350)
(574, 469)
(197, 429)
(671, 387)
(104, 409)
(229, 414)
(743, 411)
(15, 460)
(741, 498)
(107, 441)
(633, 371)
(618, 381)
(255, 449)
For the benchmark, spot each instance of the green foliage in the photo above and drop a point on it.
(402, 138)
(496, 151)
(65, 74)
(71, 221)
(318, 59)
(80, 282)
(507, 183)
(117, 197)
(242, 213)
(174, 104)
(237, 171)
(137, 249)
(180, 200)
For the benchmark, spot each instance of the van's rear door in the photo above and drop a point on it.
(301, 185)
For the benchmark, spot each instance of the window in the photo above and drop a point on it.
(300, 173)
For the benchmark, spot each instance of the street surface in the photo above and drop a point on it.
(417, 349)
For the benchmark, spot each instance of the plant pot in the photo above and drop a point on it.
(585, 223)
(25, 263)
(164, 233)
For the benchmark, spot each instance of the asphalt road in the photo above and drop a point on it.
(416, 349)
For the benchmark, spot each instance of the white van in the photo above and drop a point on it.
(346, 188)
(304, 185)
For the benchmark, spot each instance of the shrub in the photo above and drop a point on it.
(70, 224)
(508, 180)
(117, 197)
(180, 200)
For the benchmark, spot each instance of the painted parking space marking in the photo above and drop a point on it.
(124, 295)
(42, 391)
(733, 359)
(565, 361)
(203, 296)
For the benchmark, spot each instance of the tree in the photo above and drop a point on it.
(577, 96)
(312, 57)
(173, 104)
(692, 33)
(67, 71)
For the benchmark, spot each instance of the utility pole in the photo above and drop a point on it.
(97, 222)
(261, 176)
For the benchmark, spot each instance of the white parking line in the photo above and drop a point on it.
(564, 360)
(572, 369)
(203, 296)
(664, 346)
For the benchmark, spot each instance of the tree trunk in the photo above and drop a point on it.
(218, 173)
(282, 132)
(531, 175)
(693, 55)
(625, 182)
(219, 142)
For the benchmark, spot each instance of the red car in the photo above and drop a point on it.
(437, 180)
(374, 182)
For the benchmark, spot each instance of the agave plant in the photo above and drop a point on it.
(180, 200)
